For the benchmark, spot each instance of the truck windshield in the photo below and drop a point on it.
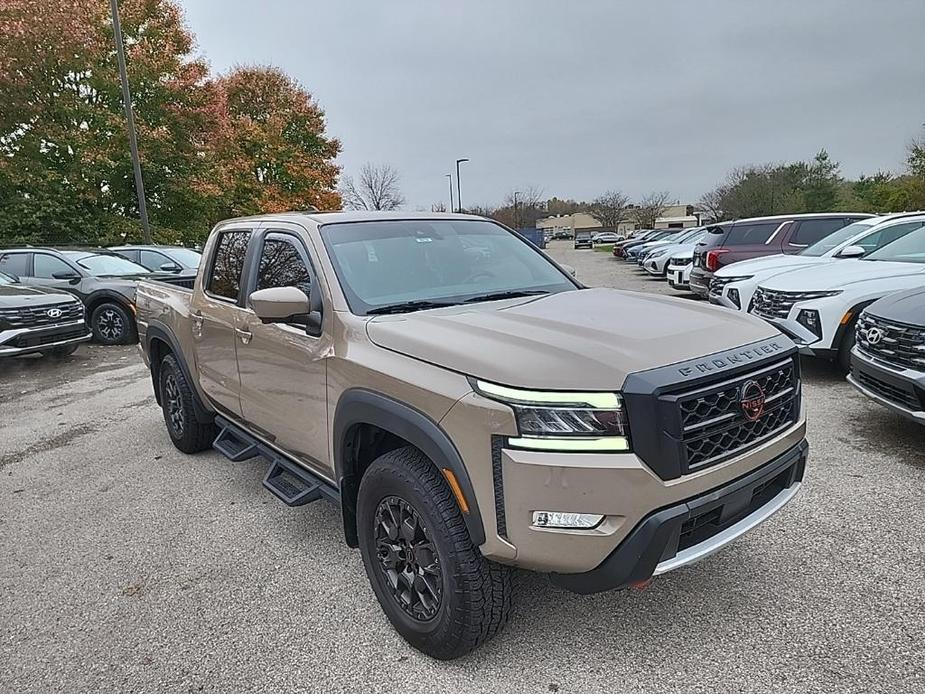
(418, 264)
(823, 246)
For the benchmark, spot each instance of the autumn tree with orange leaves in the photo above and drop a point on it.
(250, 141)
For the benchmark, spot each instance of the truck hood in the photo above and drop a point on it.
(773, 262)
(840, 274)
(585, 339)
(20, 296)
(904, 307)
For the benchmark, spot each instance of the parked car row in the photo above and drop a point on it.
(845, 287)
(52, 299)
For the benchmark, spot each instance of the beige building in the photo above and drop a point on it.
(579, 221)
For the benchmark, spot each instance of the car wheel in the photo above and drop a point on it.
(186, 431)
(843, 359)
(434, 585)
(113, 325)
(60, 352)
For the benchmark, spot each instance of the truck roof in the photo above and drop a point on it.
(341, 216)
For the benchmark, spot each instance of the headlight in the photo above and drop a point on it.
(656, 254)
(563, 421)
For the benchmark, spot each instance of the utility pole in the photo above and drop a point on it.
(450, 178)
(458, 186)
(130, 122)
(516, 216)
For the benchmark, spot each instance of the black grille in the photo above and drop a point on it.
(768, 303)
(714, 424)
(894, 393)
(38, 316)
(896, 343)
(717, 283)
(29, 340)
(680, 262)
(497, 443)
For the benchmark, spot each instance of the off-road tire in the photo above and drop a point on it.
(107, 318)
(477, 594)
(61, 352)
(187, 433)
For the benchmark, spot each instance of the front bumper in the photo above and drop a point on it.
(700, 283)
(679, 276)
(29, 340)
(687, 532)
(898, 389)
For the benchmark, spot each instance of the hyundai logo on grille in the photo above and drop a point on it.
(751, 399)
(53, 313)
(874, 335)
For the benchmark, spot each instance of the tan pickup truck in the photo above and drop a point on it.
(472, 408)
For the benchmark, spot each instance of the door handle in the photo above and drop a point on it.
(245, 335)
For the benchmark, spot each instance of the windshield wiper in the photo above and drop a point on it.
(408, 306)
(514, 294)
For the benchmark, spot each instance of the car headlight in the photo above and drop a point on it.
(656, 254)
(563, 421)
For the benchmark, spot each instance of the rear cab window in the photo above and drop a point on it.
(224, 280)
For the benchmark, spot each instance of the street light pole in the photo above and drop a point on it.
(130, 122)
(450, 179)
(458, 186)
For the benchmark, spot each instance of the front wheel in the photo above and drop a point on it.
(113, 324)
(434, 585)
(843, 358)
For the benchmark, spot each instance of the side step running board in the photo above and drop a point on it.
(291, 483)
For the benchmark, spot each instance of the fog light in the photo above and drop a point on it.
(557, 519)
(809, 319)
(733, 295)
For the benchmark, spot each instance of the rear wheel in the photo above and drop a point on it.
(113, 324)
(434, 585)
(187, 433)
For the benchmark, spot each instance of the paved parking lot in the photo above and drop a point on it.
(126, 566)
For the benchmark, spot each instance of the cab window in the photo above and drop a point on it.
(15, 264)
(227, 265)
(45, 266)
(282, 264)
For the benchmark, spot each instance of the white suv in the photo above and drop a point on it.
(818, 307)
(734, 285)
(679, 268)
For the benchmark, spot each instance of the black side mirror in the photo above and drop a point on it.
(69, 275)
(170, 267)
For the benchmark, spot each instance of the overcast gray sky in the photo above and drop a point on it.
(578, 97)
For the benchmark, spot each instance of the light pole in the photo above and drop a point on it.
(516, 216)
(458, 186)
(450, 179)
(130, 122)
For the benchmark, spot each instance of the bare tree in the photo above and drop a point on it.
(376, 189)
(711, 204)
(438, 207)
(610, 209)
(650, 208)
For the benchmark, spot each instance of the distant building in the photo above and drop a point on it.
(579, 221)
(679, 217)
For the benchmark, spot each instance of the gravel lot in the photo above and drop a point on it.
(128, 567)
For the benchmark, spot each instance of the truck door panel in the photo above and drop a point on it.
(215, 312)
(283, 368)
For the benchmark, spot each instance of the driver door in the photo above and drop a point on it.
(283, 366)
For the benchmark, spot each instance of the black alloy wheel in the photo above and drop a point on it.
(408, 559)
(173, 405)
(110, 325)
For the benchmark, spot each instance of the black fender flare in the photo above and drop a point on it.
(158, 331)
(109, 296)
(361, 406)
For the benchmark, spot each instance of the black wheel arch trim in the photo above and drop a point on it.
(109, 296)
(843, 328)
(361, 406)
(157, 331)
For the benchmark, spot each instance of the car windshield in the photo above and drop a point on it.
(908, 249)
(837, 238)
(184, 256)
(99, 264)
(387, 264)
(6, 279)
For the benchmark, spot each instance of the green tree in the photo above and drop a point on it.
(820, 184)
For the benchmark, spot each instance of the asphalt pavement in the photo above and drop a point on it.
(126, 566)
